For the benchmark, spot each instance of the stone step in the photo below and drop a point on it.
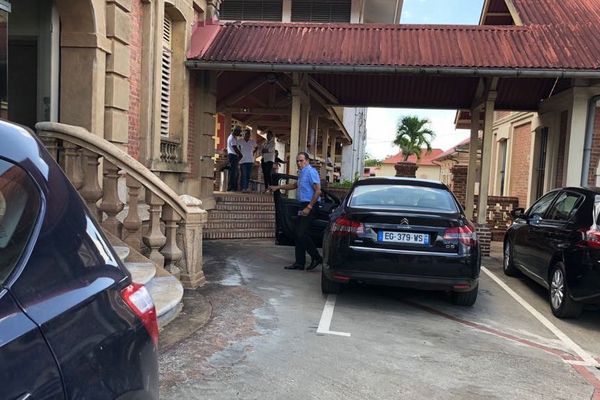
(166, 292)
(239, 234)
(215, 215)
(141, 272)
(245, 207)
(229, 224)
(243, 198)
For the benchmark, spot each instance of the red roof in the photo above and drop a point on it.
(426, 158)
(398, 46)
(571, 12)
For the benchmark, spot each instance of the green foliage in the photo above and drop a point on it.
(412, 135)
(372, 162)
(345, 184)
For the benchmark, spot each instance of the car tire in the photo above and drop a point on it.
(465, 298)
(508, 265)
(328, 286)
(561, 303)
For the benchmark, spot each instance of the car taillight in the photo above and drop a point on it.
(464, 234)
(138, 299)
(592, 238)
(344, 226)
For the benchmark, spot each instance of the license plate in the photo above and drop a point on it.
(403, 237)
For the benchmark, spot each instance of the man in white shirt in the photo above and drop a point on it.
(268, 157)
(233, 154)
(247, 148)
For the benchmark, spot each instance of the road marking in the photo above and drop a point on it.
(326, 316)
(588, 360)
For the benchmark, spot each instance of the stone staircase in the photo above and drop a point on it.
(241, 216)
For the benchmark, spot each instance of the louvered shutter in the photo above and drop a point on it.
(251, 10)
(321, 10)
(165, 84)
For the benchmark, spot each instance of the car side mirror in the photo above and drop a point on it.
(535, 219)
(517, 213)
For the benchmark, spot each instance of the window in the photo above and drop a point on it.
(19, 210)
(563, 207)
(321, 10)
(541, 167)
(401, 196)
(502, 164)
(165, 84)
(251, 10)
(541, 205)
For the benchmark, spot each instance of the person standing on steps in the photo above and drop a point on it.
(247, 147)
(268, 157)
(233, 155)
(309, 191)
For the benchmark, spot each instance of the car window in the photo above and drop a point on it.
(563, 206)
(540, 206)
(403, 196)
(19, 209)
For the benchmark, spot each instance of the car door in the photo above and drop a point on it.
(558, 231)
(28, 370)
(286, 213)
(528, 233)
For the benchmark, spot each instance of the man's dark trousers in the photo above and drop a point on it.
(304, 242)
(267, 169)
(233, 172)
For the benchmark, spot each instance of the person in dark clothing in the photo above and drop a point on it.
(233, 154)
(309, 190)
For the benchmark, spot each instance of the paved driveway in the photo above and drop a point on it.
(273, 335)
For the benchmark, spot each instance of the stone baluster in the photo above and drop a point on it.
(171, 251)
(111, 204)
(51, 145)
(73, 164)
(90, 191)
(132, 234)
(154, 238)
(189, 238)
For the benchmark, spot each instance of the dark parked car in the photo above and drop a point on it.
(394, 231)
(72, 324)
(556, 242)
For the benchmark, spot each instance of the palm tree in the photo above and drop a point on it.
(412, 135)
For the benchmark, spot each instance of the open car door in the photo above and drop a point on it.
(286, 213)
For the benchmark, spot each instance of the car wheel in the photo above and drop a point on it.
(508, 264)
(465, 298)
(563, 306)
(328, 286)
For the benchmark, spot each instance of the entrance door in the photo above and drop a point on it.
(22, 82)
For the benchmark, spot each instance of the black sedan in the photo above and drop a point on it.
(72, 324)
(556, 242)
(394, 231)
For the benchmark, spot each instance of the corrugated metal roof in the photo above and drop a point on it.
(558, 12)
(426, 158)
(501, 47)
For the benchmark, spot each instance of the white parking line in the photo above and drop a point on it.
(326, 316)
(588, 360)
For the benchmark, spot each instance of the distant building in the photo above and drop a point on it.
(427, 168)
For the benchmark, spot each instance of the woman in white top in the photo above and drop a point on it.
(247, 147)
(268, 157)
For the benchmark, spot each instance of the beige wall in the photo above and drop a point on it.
(423, 172)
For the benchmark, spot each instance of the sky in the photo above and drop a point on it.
(381, 122)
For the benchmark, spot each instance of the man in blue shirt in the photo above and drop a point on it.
(309, 190)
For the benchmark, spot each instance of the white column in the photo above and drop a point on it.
(295, 124)
(472, 170)
(486, 158)
(576, 138)
(324, 148)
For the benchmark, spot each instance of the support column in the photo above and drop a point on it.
(324, 148)
(576, 138)
(472, 170)
(312, 135)
(304, 125)
(295, 123)
(332, 143)
(486, 157)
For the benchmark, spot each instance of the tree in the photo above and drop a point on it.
(412, 135)
(371, 161)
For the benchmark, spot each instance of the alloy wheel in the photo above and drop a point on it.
(557, 289)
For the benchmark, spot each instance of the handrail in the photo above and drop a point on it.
(84, 139)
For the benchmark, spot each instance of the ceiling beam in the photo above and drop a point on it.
(252, 110)
(246, 90)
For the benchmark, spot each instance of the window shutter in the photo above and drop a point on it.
(321, 10)
(251, 10)
(165, 87)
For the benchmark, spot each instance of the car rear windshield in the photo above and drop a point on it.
(403, 196)
(19, 209)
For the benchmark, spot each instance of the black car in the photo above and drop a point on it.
(72, 324)
(556, 242)
(398, 232)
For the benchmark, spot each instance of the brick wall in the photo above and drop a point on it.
(135, 76)
(459, 182)
(595, 156)
(520, 160)
(562, 142)
(498, 214)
